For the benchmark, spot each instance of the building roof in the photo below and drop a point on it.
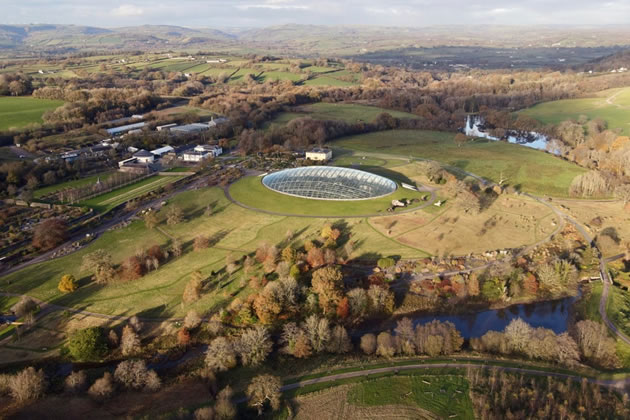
(142, 153)
(318, 150)
(124, 128)
(160, 151)
(191, 128)
(329, 183)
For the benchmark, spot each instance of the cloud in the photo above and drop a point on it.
(127, 10)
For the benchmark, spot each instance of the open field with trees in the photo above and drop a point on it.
(44, 191)
(350, 113)
(110, 200)
(525, 169)
(19, 112)
(611, 105)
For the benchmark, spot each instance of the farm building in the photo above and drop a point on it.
(190, 128)
(321, 155)
(142, 156)
(161, 151)
(117, 131)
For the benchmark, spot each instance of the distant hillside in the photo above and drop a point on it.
(609, 63)
(308, 40)
(51, 38)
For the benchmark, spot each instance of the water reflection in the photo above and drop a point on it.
(553, 315)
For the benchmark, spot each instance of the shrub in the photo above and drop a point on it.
(368, 343)
(385, 263)
(87, 344)
(28, 384)
(102, 388)
(192, 320)
(67, 284)
(204, 413)
(76, 382)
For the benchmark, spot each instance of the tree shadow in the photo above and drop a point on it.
(388, 173)
(160, 311)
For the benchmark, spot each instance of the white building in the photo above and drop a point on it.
(165, 127)
(193, 156)
(143, 156)
(207, 148)
(322, 155)
(190, 128)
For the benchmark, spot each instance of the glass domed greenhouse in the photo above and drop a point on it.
(329, 183)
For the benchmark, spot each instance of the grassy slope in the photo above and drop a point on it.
(21, 111)
(616, 114)
(40, 192)
(110, 200)
(434, 393)
(531, 170)
(252, 192)
(232, 229)
(350, 113)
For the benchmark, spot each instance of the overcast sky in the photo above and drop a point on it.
(245, 13)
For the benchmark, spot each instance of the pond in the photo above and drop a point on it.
(551, 314)
(475, 127)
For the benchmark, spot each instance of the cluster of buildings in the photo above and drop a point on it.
(143, 161)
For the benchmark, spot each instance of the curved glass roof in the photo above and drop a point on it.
(329, 183)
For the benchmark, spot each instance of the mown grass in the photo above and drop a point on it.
(231, 230)
(17, 112)
(350, 113)
(41, 192)
(526, 169)
(615, 114)
(251, 192)
(444, 395)
(112, 199)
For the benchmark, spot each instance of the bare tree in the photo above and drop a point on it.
(339, 340)
(129, 341)
(102, 388)
(28, 384)
(254, 345)
(262, 390)
(220, 355)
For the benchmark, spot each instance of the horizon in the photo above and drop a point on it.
(264, 13)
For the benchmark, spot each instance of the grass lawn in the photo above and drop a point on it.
(527, 169)
(616, 113)
(110, 200)
(350, 113)
(231, 229)
(40, 192)
(444, 395)
(23, 110)
(618, 308)
(251, 192)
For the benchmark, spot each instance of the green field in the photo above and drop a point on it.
(612, 105)
(445, 395)
(251, 192)
(526, 169)
(232, 230)
(18, 112)
(350, 113)
(110, 200)
(41, 192)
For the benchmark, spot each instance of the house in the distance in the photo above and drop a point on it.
(321, 155)
(158, 153)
